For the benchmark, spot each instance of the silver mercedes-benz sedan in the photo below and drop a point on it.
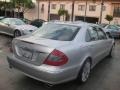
(60, 52)
(15, 27)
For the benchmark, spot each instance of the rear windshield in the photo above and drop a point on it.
(57, 32)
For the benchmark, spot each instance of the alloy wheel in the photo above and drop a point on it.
(86, 71)
(17, 34)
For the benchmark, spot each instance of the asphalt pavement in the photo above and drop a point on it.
(105, 76)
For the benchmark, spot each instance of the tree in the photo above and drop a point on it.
(23, 5)
(101, 11)
(49, 10)
(63, 13)
(5, 6)
(109, 18)
(72, 15)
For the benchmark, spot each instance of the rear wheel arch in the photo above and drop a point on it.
(79, 76)
(89, 58)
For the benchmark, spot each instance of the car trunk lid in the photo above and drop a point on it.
(34, 50)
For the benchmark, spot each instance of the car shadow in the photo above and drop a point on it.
(99, 70)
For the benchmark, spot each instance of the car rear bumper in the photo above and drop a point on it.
(44, 73)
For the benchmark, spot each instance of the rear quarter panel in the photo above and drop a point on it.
(77, 54)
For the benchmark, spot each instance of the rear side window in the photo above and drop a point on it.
(57, 32)
(87, 38)
(101, 34)
(93, 34)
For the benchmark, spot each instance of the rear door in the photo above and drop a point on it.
(94, 44)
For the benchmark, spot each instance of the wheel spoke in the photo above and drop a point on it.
(17, 34)
(86, 72)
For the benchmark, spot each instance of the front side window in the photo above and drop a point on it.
(92, 8)
(57, 32)
(93, 33)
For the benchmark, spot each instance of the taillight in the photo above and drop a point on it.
(56, 58)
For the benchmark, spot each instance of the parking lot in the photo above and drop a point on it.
(105, 76)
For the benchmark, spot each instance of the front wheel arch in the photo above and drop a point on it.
(17, 31)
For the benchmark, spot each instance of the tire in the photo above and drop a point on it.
(85, 71)
(17, 33)
(111, 51)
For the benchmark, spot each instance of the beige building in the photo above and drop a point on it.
(93, 12)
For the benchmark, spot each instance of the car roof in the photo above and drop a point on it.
(74, 23)
(11, 18)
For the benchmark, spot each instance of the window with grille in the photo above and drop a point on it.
(92, 8)
(81, 7)
(42, 8)
(53, 6)
(62, 6)
(104, 8)
(116, 12)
